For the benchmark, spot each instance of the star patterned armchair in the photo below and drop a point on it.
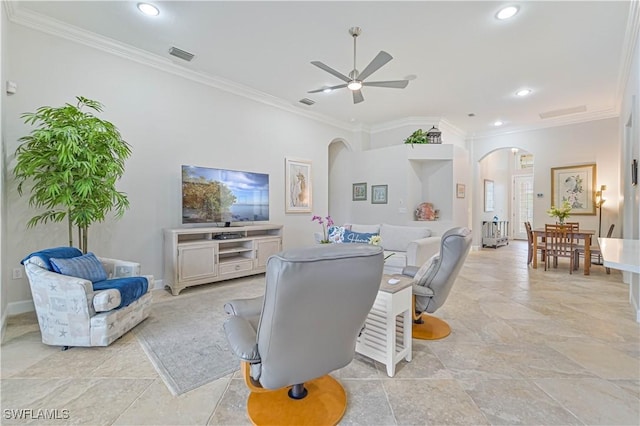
(82, 300)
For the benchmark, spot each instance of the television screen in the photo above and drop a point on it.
(218, 195)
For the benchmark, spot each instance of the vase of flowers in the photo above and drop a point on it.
(325, 222)
(562, 213)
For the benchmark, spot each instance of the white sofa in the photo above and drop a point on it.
(407, 245)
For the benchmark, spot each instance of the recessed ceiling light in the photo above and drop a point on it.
(523, 92)
(498, 123)
(148, 9)
(507, 12)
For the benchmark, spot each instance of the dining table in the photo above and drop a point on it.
(580, 234)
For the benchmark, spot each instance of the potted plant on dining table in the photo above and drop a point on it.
(562, 213)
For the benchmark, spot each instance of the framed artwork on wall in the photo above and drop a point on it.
(379, 194)
(460, 190)
(360, 191)
(575, 184)
(298, 186)
(634, 172)
(489, 202)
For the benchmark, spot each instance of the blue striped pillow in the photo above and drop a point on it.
(87, 267)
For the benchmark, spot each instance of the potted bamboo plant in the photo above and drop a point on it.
(71, 162)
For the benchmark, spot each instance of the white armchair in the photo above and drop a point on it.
(71, 313)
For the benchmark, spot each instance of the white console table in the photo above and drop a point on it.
(621, 254)
(387, 334)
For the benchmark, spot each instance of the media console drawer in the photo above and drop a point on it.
(232, 267)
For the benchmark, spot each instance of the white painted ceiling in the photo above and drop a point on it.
(464, 60)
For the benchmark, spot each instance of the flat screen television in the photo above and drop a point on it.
(220, 196)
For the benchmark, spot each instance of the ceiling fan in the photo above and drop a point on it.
(355, 80)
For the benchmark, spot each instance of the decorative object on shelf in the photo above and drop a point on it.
(419, 136)
(489, 203)
(562, 213)
(634, 172)
(379, 194)
(599, 202)
(434, 135)
(325, 225)
(360, 191)
(73, 159)
(460, 190)
(576, 185)
(425, 211)
(298, 190)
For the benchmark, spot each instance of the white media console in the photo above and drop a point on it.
(194, 256)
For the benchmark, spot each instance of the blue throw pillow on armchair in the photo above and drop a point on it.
(87, 267)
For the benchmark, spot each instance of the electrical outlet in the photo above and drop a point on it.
(17, 273)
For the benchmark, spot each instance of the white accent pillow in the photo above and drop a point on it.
(367, 229)
(397, 238)
(427, 271)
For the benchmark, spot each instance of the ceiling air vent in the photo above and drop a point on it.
(565, 111)
(306, 101)
(179, 53)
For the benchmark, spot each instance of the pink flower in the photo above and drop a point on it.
(324, 228)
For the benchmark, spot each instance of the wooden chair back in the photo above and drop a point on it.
(560, 242)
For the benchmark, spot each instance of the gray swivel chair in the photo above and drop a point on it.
(305, 326)
(434, 281)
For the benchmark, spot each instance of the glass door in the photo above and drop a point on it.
(522, 204)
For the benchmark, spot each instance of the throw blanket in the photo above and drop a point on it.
(130, 288)
(56, 252)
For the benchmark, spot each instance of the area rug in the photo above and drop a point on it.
(184, 337)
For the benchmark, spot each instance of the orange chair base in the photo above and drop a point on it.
(325, 404)
(431, 329)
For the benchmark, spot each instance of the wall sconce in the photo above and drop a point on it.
(599, 202)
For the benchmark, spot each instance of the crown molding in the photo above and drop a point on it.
(406, 121)
(557, 122)
(56, 28)
(629, 46)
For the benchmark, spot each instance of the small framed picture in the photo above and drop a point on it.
(460, 190)
(379, 194)
(360, 191)
(634, 172)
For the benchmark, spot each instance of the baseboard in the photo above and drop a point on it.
(158, 285)
(16, 308)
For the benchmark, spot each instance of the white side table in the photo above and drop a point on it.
(387, 335)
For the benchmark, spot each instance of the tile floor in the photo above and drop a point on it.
(528, 347)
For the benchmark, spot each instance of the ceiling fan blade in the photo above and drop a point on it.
(339, 86)
(395, 84)
(331, 71)
(377, 63)
(357, 97)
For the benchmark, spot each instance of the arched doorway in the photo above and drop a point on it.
(506, 180)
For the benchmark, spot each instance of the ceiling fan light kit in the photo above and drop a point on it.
(355, 80)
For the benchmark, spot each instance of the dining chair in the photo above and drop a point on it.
(595, 252)
(541, 244)
(574, 226)
(560, 242)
